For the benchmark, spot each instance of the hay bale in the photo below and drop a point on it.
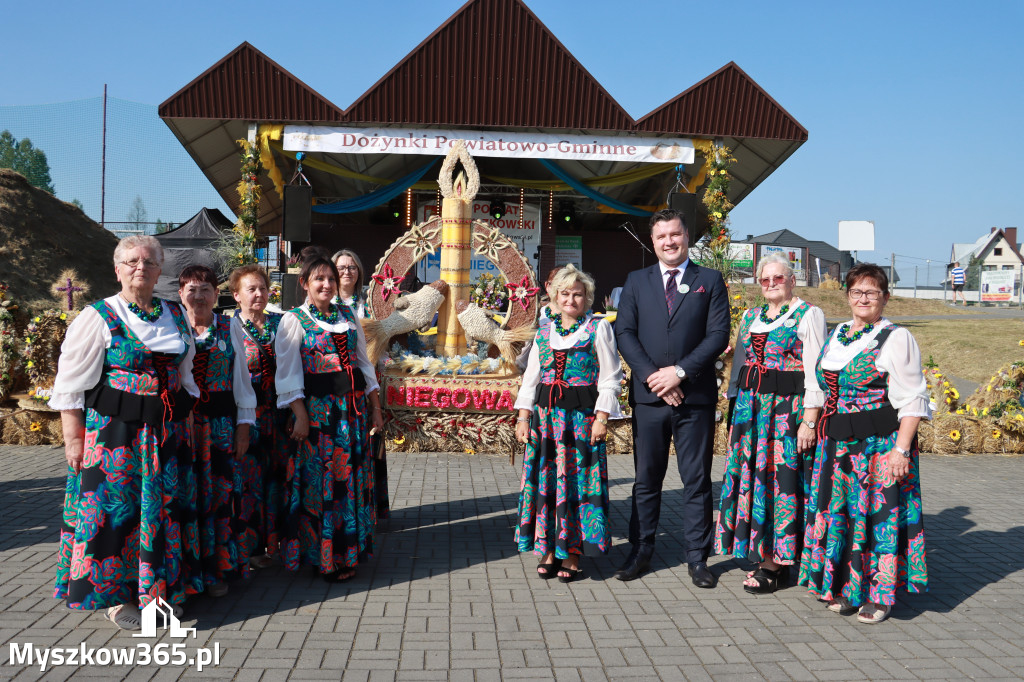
(30, 427)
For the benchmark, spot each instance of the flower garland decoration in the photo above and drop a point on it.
(716, 202)
(490, 292)
(768, 320)
(846, 339)
(522, 292)
(388, 281)
(10, 359)
(43, 337)
(242, 242)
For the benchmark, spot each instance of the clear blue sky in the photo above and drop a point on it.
(913, 108)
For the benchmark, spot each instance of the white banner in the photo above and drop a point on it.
(526, 238)
(997, 285)
(337, 140)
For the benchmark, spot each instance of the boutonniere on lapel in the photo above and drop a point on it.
(684, 288)
(700, 290)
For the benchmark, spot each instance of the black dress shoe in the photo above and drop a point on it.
(701, 574)
(633, 569)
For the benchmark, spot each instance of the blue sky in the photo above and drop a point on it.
(911, 107)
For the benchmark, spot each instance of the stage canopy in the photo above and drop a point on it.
(190, 244)
(526, 83)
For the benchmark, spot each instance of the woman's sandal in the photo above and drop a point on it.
(574, 574)
(263, 561)
(874, 613)
(125, 616)
(336, 577)
(768, 580)
(841, 606)
(549, 571)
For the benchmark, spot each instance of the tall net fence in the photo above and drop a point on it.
(151, 183)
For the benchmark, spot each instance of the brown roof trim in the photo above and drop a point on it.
(515, 73)
(247, 84)
(726, 103)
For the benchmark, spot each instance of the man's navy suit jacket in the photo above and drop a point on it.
(692, 335)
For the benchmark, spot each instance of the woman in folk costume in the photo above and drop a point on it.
(221, 419)
(124, 388)
(771, 441)
(325, 377)
(263, 465)
(350, 293)
(866, 537)
(570, 387)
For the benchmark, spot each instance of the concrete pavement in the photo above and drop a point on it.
(448, 598)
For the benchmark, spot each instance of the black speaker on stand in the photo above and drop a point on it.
(291, 293)
(298, 213)
(687, 205)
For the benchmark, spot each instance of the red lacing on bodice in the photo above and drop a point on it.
(345, 358)
(266, 367)
(560, 383)
(758, 342)
(831, 400)
(161, 363)
(200, 363)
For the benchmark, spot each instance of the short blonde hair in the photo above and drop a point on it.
(777, 257)
(565, 279)
(135, 241)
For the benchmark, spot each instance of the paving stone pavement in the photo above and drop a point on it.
(448, 598)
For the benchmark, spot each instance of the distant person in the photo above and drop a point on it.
(865, 536)
(958, 278)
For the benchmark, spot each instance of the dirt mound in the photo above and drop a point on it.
(40, 236)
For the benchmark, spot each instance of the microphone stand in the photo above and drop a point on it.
(628, 228)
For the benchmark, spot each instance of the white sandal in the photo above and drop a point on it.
(874, 613)
(125, 616)
(842, 606)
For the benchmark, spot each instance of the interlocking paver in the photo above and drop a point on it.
(448, 598)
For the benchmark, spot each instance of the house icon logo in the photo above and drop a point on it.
(158, 608)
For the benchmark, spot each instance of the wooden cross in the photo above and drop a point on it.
(71, 289)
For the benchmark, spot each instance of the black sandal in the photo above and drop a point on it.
(549, 571)
(574, 574)
(335, 576)
(768, 580)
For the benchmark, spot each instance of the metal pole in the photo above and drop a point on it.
(892, 269)
(915, 281)
(103, 170)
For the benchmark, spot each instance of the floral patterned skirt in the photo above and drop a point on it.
(330, 511)
(129, 525)
(222, 534)
(764, 490)
(563, 503)
(262, 471)
(867, 535)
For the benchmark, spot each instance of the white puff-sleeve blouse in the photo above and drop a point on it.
(609, 377)
(899, 360)
(80, 366)
(289, 380)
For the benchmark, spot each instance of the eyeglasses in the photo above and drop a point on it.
(775, 279)
(135, 262)
(348, 268)
(870, 294)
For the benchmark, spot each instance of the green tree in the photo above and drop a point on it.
(137, 214)
(973, 274)
(162, 227)
(22, 157)
(79, 204)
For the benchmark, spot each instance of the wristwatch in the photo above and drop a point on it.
(680, 372)
(905, 453)
(601, 420)
(810, 423)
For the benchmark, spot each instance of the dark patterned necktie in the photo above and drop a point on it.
(670, 288)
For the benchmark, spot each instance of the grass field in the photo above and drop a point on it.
(970, 345)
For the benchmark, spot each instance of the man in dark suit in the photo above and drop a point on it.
(673, 323)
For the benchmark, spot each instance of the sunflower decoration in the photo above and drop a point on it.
(996, 434)
(954, 436)
(35, 426)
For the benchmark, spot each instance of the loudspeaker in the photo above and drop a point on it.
(687, 205)
(298, 213)
(291, 293)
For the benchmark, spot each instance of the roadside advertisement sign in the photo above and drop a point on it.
(996, 285)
